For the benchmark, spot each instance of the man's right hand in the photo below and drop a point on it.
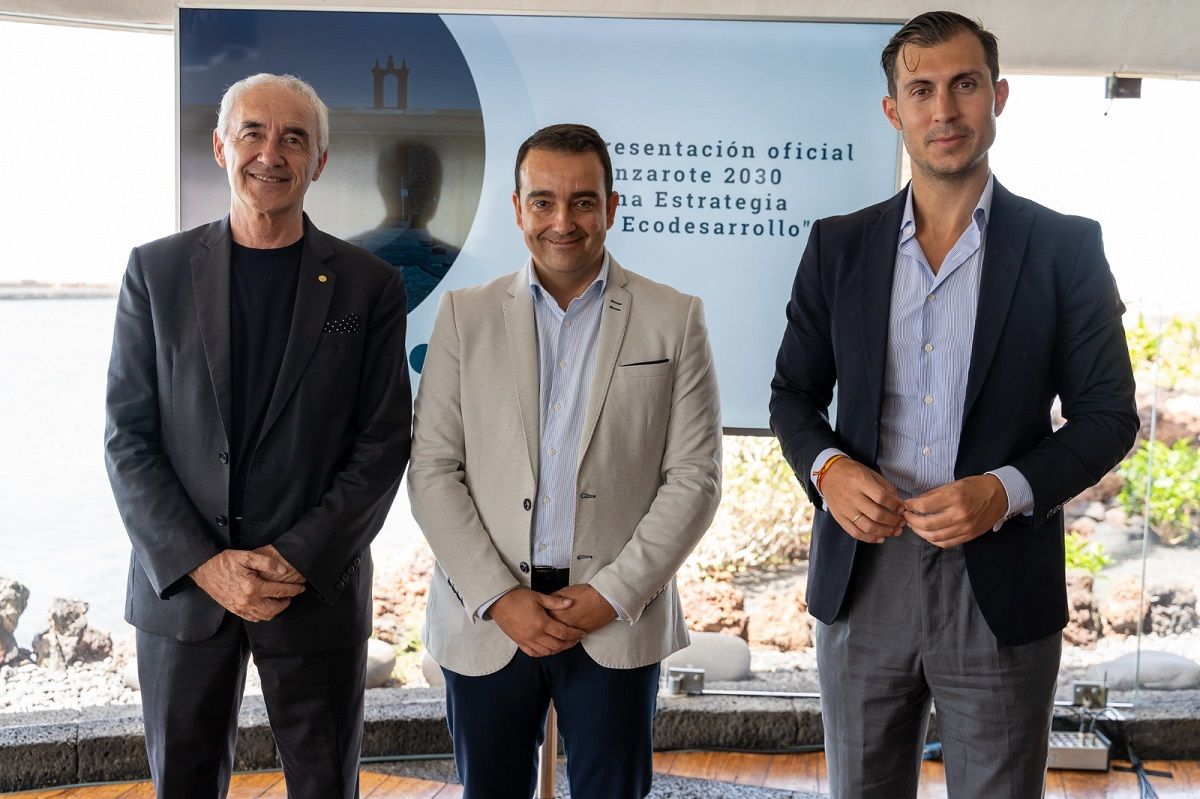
(238, 581)
(866, 505)
(523, 615)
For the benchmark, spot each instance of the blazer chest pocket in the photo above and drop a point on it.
(651, 367)
(346, 331)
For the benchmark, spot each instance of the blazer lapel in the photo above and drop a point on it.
(877, 273)
(210, 293)
(617, 304)
(314, 292)
(521, 330)
(1007, 236)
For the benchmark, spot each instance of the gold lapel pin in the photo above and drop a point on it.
(322, 278)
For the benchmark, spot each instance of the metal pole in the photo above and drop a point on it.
(1137, 652)
(548, 757)
(773, 694)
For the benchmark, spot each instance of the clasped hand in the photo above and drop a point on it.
(546, 624)
(254, 585)
(870, 508)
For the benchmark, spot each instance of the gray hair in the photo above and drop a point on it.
(290, 82)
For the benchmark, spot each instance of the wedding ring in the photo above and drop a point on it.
(856, 518)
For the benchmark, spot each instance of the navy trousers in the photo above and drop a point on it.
(605, 718)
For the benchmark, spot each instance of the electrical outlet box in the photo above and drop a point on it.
(1087, 751)
(1089, 695)
(684, 680)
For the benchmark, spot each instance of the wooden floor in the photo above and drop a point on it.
(807, 773)
(261, 785)
(789, 772)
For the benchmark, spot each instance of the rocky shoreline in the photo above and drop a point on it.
(749, 583)
(765, 611)
(29, 687)
(69, 665)
(34, 290)
(73, 665)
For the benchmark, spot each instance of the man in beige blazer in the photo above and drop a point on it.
(566, 459)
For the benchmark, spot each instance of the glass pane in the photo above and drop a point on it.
(90, 171)
(1130, 164)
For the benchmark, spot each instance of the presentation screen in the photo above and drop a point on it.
(728, 139)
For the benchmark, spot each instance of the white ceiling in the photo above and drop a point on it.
(1128, 37)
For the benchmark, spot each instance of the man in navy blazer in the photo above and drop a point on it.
(258, 425)
(949, 317)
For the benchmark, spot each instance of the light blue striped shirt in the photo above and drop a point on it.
(930, 332)
(566, 361)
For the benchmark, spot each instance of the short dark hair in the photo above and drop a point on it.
(937, 27)
(566, 138)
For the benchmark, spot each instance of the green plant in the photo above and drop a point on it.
(410, 641)
(1142, 342)
(1175, 354)
(409, 652)
(765, 518)
(1084, 555)
(1174, 487)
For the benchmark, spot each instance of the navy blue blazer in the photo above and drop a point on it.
(1048, 325)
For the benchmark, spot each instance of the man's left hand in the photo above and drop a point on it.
(290, 576)
(958, 512)
(590, 611)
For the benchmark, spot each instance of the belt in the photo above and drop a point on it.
(547, 579)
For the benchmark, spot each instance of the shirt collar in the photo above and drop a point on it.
(539, 291)
(983, 210)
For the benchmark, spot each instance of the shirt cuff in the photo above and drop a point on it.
(621, 614)
(818, 465)
(481, 613)
(1020, 493)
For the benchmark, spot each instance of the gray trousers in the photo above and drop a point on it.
(911, 632)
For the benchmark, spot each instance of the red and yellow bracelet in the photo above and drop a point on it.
(818, 476)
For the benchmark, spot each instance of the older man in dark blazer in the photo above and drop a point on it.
(949, 318)
(258, 426)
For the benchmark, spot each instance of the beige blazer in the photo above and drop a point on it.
(649, 470)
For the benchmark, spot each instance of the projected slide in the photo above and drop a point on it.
(728, 139)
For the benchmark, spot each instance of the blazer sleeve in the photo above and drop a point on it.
(437, 488)
(324, 543)
(169, 536)
(805, 371)
(690, 491)
(1094, 380)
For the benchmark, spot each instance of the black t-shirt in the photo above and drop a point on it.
(262, 295)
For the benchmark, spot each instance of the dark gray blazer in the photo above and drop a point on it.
(1048, 324)
(325, 469)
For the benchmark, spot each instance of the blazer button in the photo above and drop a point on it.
(357, 560)
(341, 584)
(524, 565)
(527, 504)
(223, 457)
(222, 521)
